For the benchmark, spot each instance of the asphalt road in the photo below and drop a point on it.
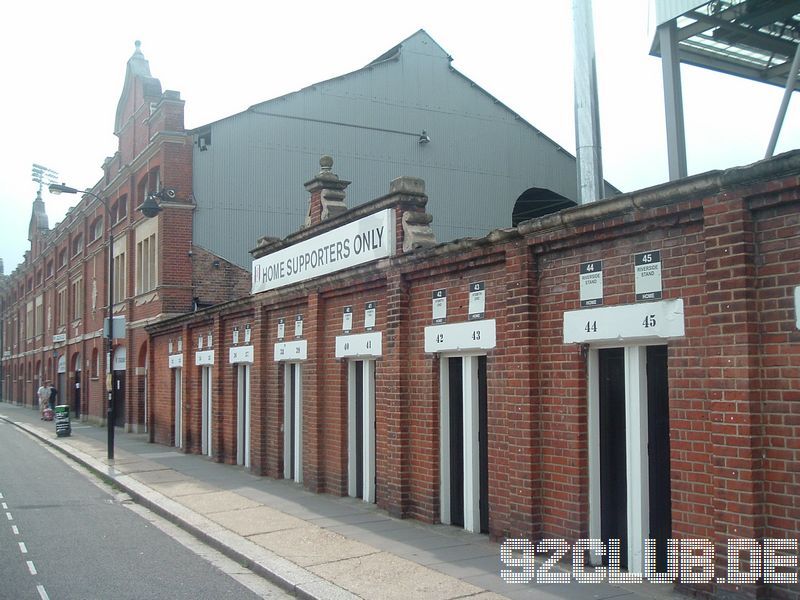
(66, 535)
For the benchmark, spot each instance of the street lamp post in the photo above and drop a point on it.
(149, 208)
(56, 188)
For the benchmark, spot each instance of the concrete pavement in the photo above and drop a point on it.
(313, 545)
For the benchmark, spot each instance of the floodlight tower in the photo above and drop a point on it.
(43, 176)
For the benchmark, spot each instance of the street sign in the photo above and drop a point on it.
(119, 328)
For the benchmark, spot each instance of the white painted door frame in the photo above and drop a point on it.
(471, 491)
(205, 400)
(293, 454)
(636, 454)
(243, 415)
(368, 434)
(178, 379)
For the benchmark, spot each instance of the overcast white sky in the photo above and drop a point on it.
(63, 65)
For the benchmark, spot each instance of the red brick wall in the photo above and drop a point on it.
(729, 244)
(217, 280)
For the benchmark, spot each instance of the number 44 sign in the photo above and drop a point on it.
(662, 320)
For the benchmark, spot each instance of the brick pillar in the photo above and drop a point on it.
(186, 389)
(514, 453)
(313, 328)
(217, 386)
(732, 366)
(273, 393)
(391, 403)
(259, 413)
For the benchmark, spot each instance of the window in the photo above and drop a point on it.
(150, 184)
(77, 299)
(96, 230)
(146, 271)
(120, 210)
(38, 317)
(39, 277)
(29, 321)
(62, 258)
(77, 244)
(61, 307)
(119, 277)
(49, 268)
(30, 283)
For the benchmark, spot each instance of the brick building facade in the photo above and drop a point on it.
(55, 301)
(626, 369)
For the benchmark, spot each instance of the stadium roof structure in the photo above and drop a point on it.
(755, 39)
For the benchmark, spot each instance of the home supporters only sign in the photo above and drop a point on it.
(362, 241)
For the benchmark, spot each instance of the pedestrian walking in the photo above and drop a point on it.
(44, 397)
(53, 398)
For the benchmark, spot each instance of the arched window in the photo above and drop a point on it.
(96, 229)
(77, 244)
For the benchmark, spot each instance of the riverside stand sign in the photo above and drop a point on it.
(367, 239)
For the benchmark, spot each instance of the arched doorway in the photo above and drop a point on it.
(141, 381)
(120, 364)
(62, 396)
(76, 384)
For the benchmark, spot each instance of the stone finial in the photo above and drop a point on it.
(327, 193)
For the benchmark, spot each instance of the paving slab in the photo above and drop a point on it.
(136, 466)
(354, 518)
(311, 545)
(384, 526)
(255, 520)
(213, 502)
(160, 476)
(387, 577)
(184, 487)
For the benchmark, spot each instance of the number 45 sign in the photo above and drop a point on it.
(626, 322)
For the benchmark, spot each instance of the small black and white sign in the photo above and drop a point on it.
(347, 319)
(180, 344)
(247, 333)
(592, 283)
(647, 275)
(439, 306)
(298, 326)
(200, 342)
(236, 335)
(477, 300)
(169, 346)
(369, 315)
(281, 328)
(209, 341)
